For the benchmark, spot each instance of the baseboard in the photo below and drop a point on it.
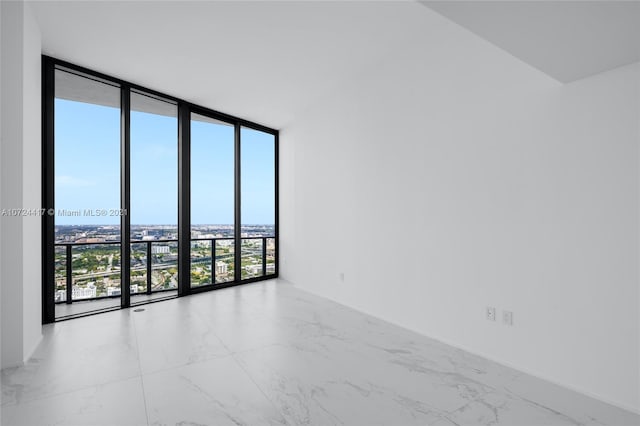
(603, 399)
(29, 354)
(12, 365)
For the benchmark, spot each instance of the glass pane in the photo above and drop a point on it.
(60, 274)
(154, 192)
(138, 268)
(251, 258)
(95, 271)
(212, 192)
(224, 261)
(163, 258)
(271, 256)
(87, 188)
(257, 153)
(164, 265)
(200, 263)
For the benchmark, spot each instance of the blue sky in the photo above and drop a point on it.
(87, 168)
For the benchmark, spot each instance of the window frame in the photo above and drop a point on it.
(185, 109)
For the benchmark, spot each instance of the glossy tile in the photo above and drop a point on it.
(213, 392)
(118, 403)
(170, 334)
(74, 355)
(311, 388)
(574, 406)
(269, 353)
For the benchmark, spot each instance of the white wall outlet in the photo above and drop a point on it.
(507, 317)
(341, 276)
(491, 313)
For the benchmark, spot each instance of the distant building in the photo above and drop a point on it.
(221, 268)
(94, 240)
(202, 243)
(156, 249)
(116, 291)
(254, 269)
(88, 292)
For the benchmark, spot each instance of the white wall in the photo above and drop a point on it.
(32, 184)
(451, 177)
(11, 170)
(20, 252)
(1, 139)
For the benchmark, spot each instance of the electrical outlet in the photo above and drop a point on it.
(491, 313)
(507, 317)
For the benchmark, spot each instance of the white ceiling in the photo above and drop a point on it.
(266, 61)
(567, 40)
(262, 61)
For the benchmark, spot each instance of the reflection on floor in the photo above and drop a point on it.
(269, 354)
(83, 307)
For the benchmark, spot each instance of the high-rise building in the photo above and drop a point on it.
(221, 268)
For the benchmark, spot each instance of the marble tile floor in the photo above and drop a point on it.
(270, 354)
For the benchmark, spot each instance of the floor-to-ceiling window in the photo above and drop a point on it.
(153, 207)
(87, 191)
(212, 207)
(258, 177)
(125, 189)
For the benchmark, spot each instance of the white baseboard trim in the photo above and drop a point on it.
(601, 398)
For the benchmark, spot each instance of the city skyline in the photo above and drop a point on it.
(94, 253)
(111, 232)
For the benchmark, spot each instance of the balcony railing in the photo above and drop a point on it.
(249, 268)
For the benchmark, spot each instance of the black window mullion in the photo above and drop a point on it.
(237, 229)
(277, 204)
(125, 196)
(184, 199)
(213, 261)
(48, 186)
(149, 265)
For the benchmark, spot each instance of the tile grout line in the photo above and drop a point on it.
(212, 358)
(144, 396)
(273, 404)
(67, 392)
(233, 356)
(55, 394)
